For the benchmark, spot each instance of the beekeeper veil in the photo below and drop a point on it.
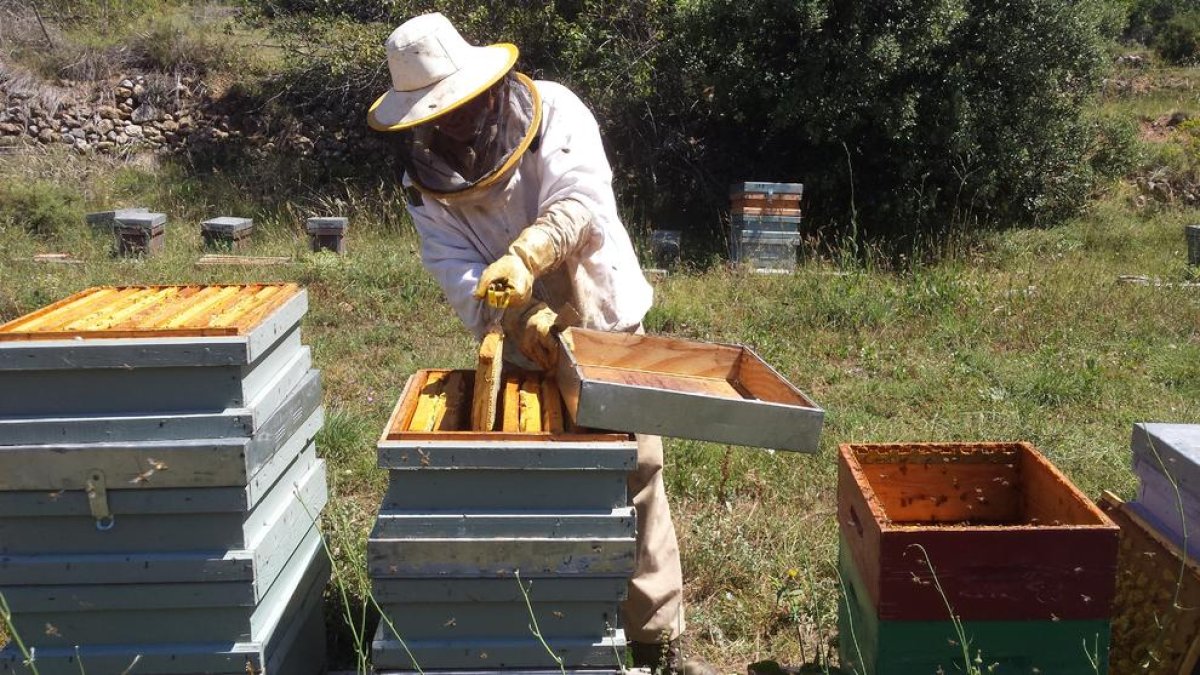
(464, 115)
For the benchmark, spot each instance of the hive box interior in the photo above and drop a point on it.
(456, 425)
(968, 485)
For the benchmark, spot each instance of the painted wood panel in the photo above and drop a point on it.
(868, 645)
(155, 614)
(153, 520)
(495, 654)
(396, 591)
(478, 621)
(230, 423)
(525, 455)
(1053, 559)
(409, 525)
(295, 644)
(533, 557)
(505, 490)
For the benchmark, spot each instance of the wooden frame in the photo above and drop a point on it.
(672, 387)
(110, 312)
(402, 415)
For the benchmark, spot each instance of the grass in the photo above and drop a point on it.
(1020, 335)
(1025, 336)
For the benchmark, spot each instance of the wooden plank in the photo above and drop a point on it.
(472, 621)
(431, 402)
(925, 493)
(88, 619)
(652, 353)
(485, 591)
(250, 319)
(1171, 513)
(241, 261)
(531, 454)
(98, 316)
(244, 302)
(146, 303)
(59, 321)
(530, 415)
(401, 525)
(1030, 570)
(552, 412)
(485, 400)
(282, 650)
(205, 318)
(523, 653)
(1156, 628)
(157, 315)
(205, 300)
(123, 353)
(505, 489)
(754, 377)
(511, 408)
(688, 384)
(37, 317)
(455, 415)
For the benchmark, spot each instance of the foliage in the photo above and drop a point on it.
(41, 207)
(1172, 27)
(900, 116)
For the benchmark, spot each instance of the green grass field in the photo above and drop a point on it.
(1018, 335)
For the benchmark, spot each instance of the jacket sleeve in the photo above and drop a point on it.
(574, 166)
(456, 264)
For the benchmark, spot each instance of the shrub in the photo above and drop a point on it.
(41, 207)
(1179, 40)
(902, 117)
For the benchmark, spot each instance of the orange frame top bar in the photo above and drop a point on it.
(107, 312)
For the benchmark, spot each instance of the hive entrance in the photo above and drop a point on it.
(988, 484)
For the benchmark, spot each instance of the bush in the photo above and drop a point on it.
(1179, 41)
(41, 207)
(901, 117)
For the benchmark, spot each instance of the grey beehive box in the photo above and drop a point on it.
(159, 484)
(104, 220)
(464, 513)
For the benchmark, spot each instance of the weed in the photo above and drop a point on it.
(533, 624)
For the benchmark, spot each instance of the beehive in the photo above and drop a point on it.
(139, 233)
(1156, 627)
(159, 483)
(226, 233)
(765, 220)
(466, 512)
(991, 535)
(1166, 459)
(327, 234)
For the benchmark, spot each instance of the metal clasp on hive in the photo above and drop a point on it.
(97, 495)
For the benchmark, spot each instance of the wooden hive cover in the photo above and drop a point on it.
(152, 312)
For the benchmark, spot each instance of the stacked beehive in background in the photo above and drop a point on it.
(968, 555)
(483, 535)
(765, 225)
(1156, 628)
(159, 485)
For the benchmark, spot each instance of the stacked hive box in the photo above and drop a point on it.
(765, 225)
(1156, 628)
(159, 484)
(958, 552)
(483, 535)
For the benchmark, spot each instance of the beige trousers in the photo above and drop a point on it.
(653, 611)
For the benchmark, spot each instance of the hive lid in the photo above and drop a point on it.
(767, 188)
(683, 389)
(1173, 447)
(108, 312)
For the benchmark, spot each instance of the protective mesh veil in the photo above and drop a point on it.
(456, 152)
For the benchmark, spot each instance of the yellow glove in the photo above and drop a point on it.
(533, 329)
(508, 281)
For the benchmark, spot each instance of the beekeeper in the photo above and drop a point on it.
(511, 194)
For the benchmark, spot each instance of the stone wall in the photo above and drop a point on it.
(134, 115)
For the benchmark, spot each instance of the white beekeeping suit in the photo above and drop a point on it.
(599, 273)
(511, 193)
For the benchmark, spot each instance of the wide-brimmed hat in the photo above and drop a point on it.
(434, 70)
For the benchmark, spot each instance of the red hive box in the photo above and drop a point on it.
(1009, 537)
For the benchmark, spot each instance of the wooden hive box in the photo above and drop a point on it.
(670, 387)
(327, 234)
(290, 638)
(226, 233)
(1156, 623)
(465, 511)
(1009, 537)
(1166, 459)
(139, 233)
